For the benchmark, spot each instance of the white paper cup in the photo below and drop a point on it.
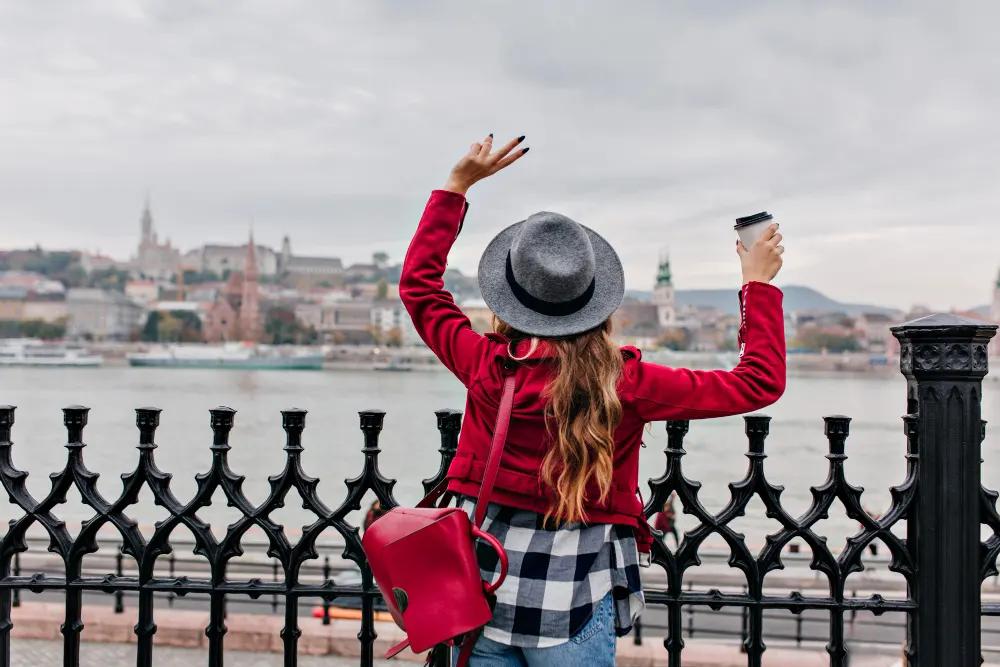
(751, 227)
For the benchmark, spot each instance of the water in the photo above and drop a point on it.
(332, 440)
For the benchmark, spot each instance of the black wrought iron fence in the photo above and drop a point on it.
(941, 503)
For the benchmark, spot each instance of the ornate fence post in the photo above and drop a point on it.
(6, 599)
(944, 358)
(74, 419)
(221, 422)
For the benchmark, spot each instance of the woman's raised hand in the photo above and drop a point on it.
(482, 161)
(762, 261)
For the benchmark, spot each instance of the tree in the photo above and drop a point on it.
(192, 277)
(282, 328)
(823, 340)
(383, 289)
(190, 326)
(108, 279)
(42, 329)
(380, 259)
(175, 326)
(675, 339)
(151, 332)
(375, 333)
(169, 328)
(394, 337)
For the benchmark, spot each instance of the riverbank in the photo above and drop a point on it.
(365, 357)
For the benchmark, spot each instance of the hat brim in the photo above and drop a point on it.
(609, 290)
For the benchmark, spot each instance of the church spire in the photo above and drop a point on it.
(663, 275)
(250, 269)
(148, 234)
(249, 315)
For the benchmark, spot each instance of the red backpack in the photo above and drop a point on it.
(424, 559)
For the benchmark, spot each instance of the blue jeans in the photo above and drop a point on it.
(593, 646)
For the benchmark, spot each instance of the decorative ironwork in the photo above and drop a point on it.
(836, 568)
(941, 358)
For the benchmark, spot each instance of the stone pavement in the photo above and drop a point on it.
(253, 640)
(46, 653)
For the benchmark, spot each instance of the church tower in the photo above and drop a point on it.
(286, 255)
(148, 233)
(250, 302)
(663, 295)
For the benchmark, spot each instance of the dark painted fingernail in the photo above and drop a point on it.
(520, 139)
(491, 135)
(526, 150)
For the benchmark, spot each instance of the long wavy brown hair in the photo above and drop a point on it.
(582, 411)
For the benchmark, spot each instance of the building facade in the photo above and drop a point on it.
(223, 260)
(305, 273)
(101, 314)
(51, 310)
(91, 262)
(338, 321)
(143, 291)
(874, 333)
(391, 318)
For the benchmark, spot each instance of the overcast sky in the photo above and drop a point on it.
(868, 129)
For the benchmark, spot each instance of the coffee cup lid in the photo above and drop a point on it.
(752, 219)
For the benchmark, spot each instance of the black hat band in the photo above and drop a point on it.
(551, 308)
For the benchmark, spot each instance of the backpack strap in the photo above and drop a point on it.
(499, 439)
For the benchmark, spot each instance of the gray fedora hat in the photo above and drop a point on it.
(550, 276)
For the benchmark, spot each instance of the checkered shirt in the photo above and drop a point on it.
(557, 576)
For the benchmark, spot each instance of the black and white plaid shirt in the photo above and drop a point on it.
(557, 576)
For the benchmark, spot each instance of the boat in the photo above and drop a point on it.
(394, 364)
(34, 353)
(229, 355)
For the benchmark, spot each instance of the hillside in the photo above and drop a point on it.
(797, 298)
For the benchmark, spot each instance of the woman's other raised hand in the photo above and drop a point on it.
(482, 161)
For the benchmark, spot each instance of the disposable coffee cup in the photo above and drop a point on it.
(751, 227)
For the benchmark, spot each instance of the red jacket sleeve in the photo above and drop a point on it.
(659, 393)
(439, 322)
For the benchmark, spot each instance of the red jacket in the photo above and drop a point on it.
(648, 392)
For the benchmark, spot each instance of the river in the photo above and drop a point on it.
(332, 441)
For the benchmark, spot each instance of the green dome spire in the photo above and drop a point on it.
(663, 276)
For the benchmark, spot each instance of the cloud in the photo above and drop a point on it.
(866, 129)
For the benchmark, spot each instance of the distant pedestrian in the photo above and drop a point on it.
(872, 546)
(666, 519)
(374, 512)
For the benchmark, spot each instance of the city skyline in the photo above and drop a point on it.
(865, 130)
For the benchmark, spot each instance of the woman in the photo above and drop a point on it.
(566, 501)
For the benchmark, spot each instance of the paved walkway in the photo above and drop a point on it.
(42, 653)
(253, 640)
(47, 653)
